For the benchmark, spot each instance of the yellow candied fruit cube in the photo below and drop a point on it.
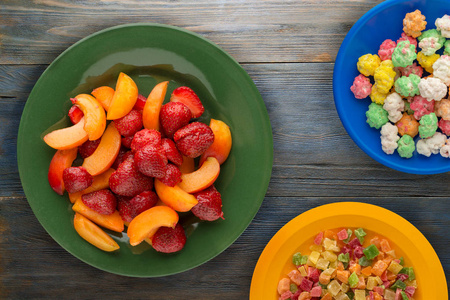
(322, 264)
(317, 248)
(330, 245)
(395, 267)
(376, 96)
(391, 253)
(372, 282)
(342, 296)
(389, 294)
(384, 76)
(411, 283)
(313, 258)
(329, 271)
(368, 63)
(303, 271)
(360, 295)
(330, 256)
(345, 287)
(334, 264)
(334, 288)
(427, 61)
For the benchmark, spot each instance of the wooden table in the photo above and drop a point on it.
(288, 48)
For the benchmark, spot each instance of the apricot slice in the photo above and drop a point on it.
(67, 138)
(100, 182)
(113, 222)
(106, 152)
(188, 165)
(150, 114)
(93, 234)
(201, 178)
(175, 197)
(104, 95)
(94, 115)
(61, 159)
(125, 96)
(221, 146)
(147, 223)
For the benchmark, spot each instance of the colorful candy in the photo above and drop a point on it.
(406, 146)
(431, 41)
(432, 88)
(427, 61)
(428, 125)
(376, 116)
(408, 125)
(394, 105)
(441, 69)
(414, 23)
(443, 24)
(404, 54)
(431, 145)
(442, 109)
(367, 64)
(386, 49)
(361, 87)
(421, 106)
(389, 138)
(408, 86)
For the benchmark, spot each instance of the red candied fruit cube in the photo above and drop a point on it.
(318, 239)
(355, 242)
(358, 252)
(306, 285)
(342, 235)
(316, 291)
(313, 274)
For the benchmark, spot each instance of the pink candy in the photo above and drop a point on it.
(361, 87)
(411, 40)
(386, 49)
(421, 106)
(444, 125)
(411, 69)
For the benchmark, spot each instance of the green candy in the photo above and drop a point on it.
(406, 146)
(408, 86)
(428, 125)
(447, 47)
(434, 33)
(377, 116)
(404, 54)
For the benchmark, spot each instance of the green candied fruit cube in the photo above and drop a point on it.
(350, 232)
(408, 271)
(360, 234)
(351, 295)
(402, 260)
(398, 285)
(428, 125)
(296, 259)
(404, 296)
(371, 252)
(293, 288)
(447, 47)
(344, 257)
(377, 116)
(353, 280)
(304, 259)
(406, 146)
(364, 262)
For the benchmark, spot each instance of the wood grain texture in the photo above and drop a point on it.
(251, 31)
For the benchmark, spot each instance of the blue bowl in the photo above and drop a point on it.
(384, 21)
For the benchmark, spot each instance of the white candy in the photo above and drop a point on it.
(430, 45)
(443, 24)
(389, 138)
(432, 89)
(441, 69)
(432, 145)
(394, 105)
(445, 150)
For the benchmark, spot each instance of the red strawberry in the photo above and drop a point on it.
(103, 201)
(151, 161)
(173, 116)
(168, 240)
(126, 141)
(121, 157)
(142, 202)
(193, 139)
(76, 179)
(209, 206)
(144, 137)
(128, 181)
(124, 208)
(187, 96)
(140, 103)
(172, 152)
(129, 124)
(172, 177)
(88, 147)
(75, 114)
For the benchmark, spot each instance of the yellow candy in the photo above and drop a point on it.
(367, 64)
(427, 61)
(384, 76)
(376, 96)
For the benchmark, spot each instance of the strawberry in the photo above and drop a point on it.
(76, 179)
(124, 208)
(171, 151)
(209, 206)
(142, 202)
(103, 201)
(169, 240)
(126, 141)
(122, 156)
(173, 116)
(88, 147)
(128, 181)
(144, 137)
(75, 114)
(151, 161)
(187, 96)
(129, 124)
(172, 177)
(140, 103)
(193, 139)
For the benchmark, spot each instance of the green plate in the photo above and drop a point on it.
(150, 53)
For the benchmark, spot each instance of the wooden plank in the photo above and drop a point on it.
(33, 266)
(36, 32)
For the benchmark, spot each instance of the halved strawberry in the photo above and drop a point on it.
(193, 139)
(75, 114)
(129, 124)
(128, 181)
(209, 206)
(88, 147)
(187, 96)
(140, 103)
(169, 240)
(173, 116)
(172, 177)
(171, 151)
(103, 201)
(151, 161)
(76, 179)
(142, 202)
(144, 137)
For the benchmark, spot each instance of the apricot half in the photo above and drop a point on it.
(94, 234)
(201, 178)
(221, 146)
(150, 114)
(94, 115)
(113, 221)
(99, 182)
(106, 152)
(175, 197)
(147, 223)
(104, 95)
(125, 96)
(67, 138)
(61, 160)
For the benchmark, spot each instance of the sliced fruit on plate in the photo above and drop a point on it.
(150, 114)
(125, 96)
(67, 138)
(60, 161)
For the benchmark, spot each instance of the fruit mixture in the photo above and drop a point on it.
(343, 264)
(410, 89)
(138, 166)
